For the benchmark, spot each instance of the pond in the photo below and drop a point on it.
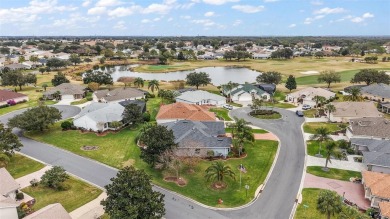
(218, 75)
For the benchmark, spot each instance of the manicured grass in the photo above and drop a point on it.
(274, 115)
(76, 194)
(235, 104)
(279, 95)
(259, 131)
(221, 113)
(27, 104)
(20, 165)
(333, 173)
(160, 68)
(284, 105)
(79, 102)
(152, 106)
(309, 113)
(310, 127)
(313, 147)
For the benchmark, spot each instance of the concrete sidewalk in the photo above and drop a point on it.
(24, 181)
(350, 164)
(91, 210)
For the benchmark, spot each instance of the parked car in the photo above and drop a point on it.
(299, 113)
(227, 106)
(306, 107)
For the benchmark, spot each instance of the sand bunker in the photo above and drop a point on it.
(309, 72)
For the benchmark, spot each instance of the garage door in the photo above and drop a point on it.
(67, 97)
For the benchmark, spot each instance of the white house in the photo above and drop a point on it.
(200, 97)
(8, 208)
(353, 110)
(245, 93)
(306, 95)
(118, 95)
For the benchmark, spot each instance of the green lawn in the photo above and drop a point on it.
(235, 104)
(20, 165)
(77, 102)
(309, 113)
(279, 95)
(221, 113)
(268, 116)
(280, 105)
(312, 148)
(310, 127)
(259, 131)
(333, 173)
(152, 106)
(77, 194)
(27, 104)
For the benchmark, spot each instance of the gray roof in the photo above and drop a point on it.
(381, 90)
(102, 112)
(51, 211)
(119, 94)
(247, 88)
(7, 182)
(371, 127)
(373, 145)
(377, 158)
(66, 89)
(139, 103)
(199, 134)
(199, 95)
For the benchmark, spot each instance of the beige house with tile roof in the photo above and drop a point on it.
(8, 185)
(117, 95)
(384, 209)
(306, 95)
(353, 110)
(376, 187)
(184, 111)
(50, 212)
(67, 91)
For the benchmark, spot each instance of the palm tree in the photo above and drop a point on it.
(153, 84)
(355, 95)
(217, 171)
(229, 86)
(241, 132)
(329, 203)
(139, 82)
(319, 100)
(321, 134)
(331, 149)
(330, 109)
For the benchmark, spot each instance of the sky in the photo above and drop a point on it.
(194, 17)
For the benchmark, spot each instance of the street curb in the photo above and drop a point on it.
(303, 176)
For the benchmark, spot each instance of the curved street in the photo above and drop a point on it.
(275, 202)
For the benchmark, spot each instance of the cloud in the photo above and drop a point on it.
(218, 2)
(157, 8)
(268, 1)
(120, 25)
(86, 3)
(122, 11)
(185, 17)
(367, 15)
(292, 25)
(145, 21)
(362, 18)
(316, 2)
(330, 11)
(157, 19)
(170, 19)
(248, 8)
(209, 14)
(204, 22)
(96, 10)
(108, 3)
(237, 22)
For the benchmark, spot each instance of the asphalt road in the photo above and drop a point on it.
(275, 202)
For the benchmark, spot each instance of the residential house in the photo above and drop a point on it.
(195, 138)
(353, 110)
(261, 55)
(245, 93)
(118, 95)
(6, 96)
(51, 211)
(376, 153)
(378, 92)
(269, 88)
(99, 116)
(200, 97)
(8, 208)
(16, 66)
(183, 111)
(384, 107)
(306, 95)
(374, 128)
(384, 210)
(8, 186)
(376, 187)
(66, 91)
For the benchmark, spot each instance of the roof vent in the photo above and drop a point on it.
(220, 139)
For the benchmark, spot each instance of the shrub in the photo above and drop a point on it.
(66, 125)
(11, 102)
(34, 182)
(19, 196)
(146, 117)
(149, 95)
(54, 178)
(89, 98)
(4, 106)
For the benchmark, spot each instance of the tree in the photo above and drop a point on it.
(54, 177)
(330, 109)
(181, 56)
(102, 60)
(331, 150)
(218, 171)
(229, 87)
(349, 212)
(98, 77)
(271, 77)
(4, 160)
(58, 79)
(74, 58)
(127, 81)
(198, 79)
(130, 195)
(153, 84)
(291, 84)
(329, 77)
(321, 134)
(37, 118)
(166, 95)
(241, 133)
(21, 59)
(370, 76)
(93, 86)
(132, 114)
(157, 139)
(139, 82)
(42, 70)
(9, 142)
(13, 78)
(355, 95)
(56, 63)
(329, 203)
(45, 86)
(30, 78)
(320, 100)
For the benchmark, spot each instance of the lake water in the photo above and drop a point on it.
(218, 75)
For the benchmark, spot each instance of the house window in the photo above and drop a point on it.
(197, 151)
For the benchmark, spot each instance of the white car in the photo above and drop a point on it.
(306, 107)
(227, 106)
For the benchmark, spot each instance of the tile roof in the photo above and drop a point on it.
(375, 127)
(66, 89)
(381, 90)
(355, 109)
(9, 95)
(199, 134)
(186, 111)
(199, 95)
(7, 182)
(384, 209)
(49, 212)
(376, 158)
(119, 94)
(379, 183)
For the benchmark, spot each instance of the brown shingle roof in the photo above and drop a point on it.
(66, 89)
(355, 109)
(384, 209)
(376, 126)
(185, 111)
(119, 94)
(7, 182)
(379, 183)
(49, 212)
(9, 95)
